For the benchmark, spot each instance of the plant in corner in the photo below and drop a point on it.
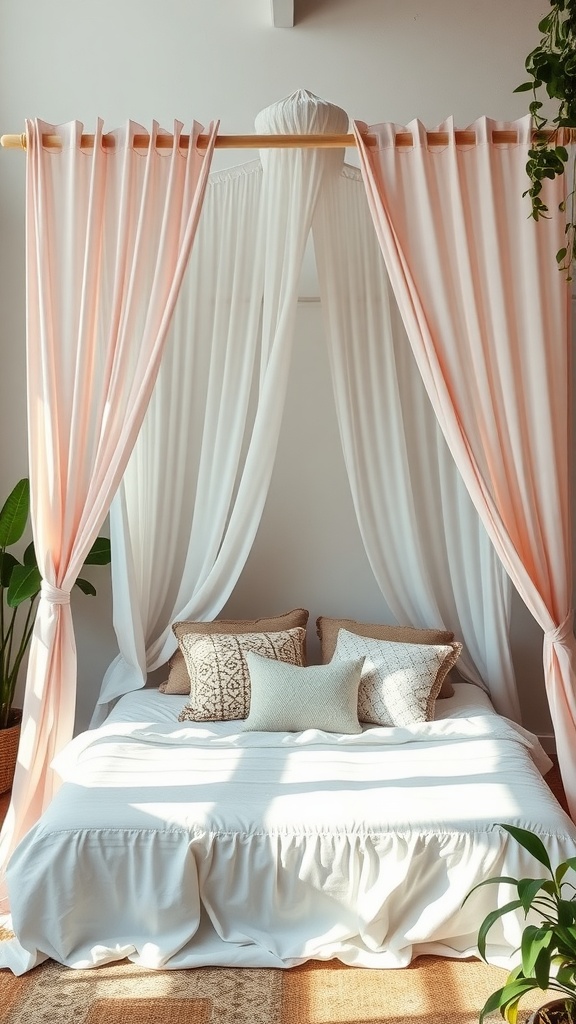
(552, 67)
(20, 584)
(548, 947)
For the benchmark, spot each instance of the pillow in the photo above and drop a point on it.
(220, 681)
(400, 682)
(327, 630)
(178, 679)
(285, 698)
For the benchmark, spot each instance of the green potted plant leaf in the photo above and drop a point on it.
(548, 947)
(551, 66)
(20, 583)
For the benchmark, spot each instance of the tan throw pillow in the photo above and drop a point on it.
(327, 630)
(286, 698)
(400, 682)
(178, 679)
(220, 681)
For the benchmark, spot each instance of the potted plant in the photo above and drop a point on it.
(552, 69)
(20, 583)
(548, 948)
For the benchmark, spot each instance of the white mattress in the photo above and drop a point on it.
(183, 845)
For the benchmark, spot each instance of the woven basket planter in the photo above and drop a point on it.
(9, 740)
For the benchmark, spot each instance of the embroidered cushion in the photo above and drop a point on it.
(178, 679)
(327, 630)
(220, 680)
(400, 682)
(286, 698)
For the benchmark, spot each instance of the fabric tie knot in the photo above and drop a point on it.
(53, 594)
(561, 632)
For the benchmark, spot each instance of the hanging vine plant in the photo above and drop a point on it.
(552, 69)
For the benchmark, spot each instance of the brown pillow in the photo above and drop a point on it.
(220, 679)
(327, 630)
(178, 679)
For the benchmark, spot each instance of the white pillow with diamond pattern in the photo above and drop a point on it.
(288, 698)
(400, 682)
(219, 677)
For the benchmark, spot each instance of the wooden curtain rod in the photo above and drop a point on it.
(464, 137)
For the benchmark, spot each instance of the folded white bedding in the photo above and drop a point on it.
(267, 849)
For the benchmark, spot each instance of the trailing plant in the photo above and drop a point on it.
(20, 584)
(552, 68)
(548, 947)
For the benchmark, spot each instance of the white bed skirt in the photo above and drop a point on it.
(197, 844)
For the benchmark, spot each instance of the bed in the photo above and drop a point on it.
(183, 844)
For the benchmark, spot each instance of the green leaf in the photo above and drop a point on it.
(7, 563)
(491, 1004)
(541, 970)
(86, 587)
(566, 976)
(534, 940)
(491, 919)
(100, 552)
(506, 998)
(25, 583)
(528, 889)
(565, 866)
(525, 87)
(30, 555)
(14, 514)
(529, 842)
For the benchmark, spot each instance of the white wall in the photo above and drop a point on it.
(144, 59)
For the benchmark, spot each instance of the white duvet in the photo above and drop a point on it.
(182, 845)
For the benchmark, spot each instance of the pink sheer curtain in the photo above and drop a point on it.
(488, 316)
(109, 233)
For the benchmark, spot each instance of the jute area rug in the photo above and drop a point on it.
(432, 990)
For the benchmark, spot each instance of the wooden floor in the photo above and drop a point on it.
(555, 782)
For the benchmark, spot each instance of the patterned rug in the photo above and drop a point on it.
(432, 990)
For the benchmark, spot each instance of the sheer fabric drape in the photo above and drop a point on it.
(247, 262)
(105, 227)
(487, 314)
(429, 552)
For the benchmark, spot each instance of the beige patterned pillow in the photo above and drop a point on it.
(400, 682)
(327, 630)
(220, 680)
(178, 679)
(287, 698)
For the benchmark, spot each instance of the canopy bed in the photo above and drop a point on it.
(448, 334)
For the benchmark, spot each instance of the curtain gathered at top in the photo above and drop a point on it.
(105, 227)
(190, 502)
(424, 540)
(202, 465)
(488, 316)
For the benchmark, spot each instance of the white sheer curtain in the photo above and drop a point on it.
(172, 506)
(182, 529)
(429, 552)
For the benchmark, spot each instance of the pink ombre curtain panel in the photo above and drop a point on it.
(109, 233)
(488, 317)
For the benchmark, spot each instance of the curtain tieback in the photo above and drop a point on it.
(53, 594)
(561, 632)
